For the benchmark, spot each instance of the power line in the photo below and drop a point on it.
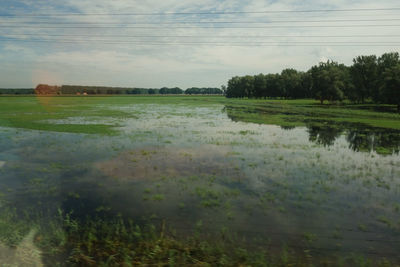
(204, 27)
(232, 17)
(205, 22)
(204, 42)
(202, 36)
(202, 13)
(152, 43)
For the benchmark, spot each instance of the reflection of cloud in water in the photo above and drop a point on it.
(256, 180)
(89, 120)
(153, 163)
(2, 163)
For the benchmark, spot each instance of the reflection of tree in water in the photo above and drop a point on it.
(380, 140)
(287, 127)
(360, 141)
(359, 136)
(323, 135)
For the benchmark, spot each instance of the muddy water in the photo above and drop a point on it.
(197, 170)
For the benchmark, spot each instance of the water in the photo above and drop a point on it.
(333, 191)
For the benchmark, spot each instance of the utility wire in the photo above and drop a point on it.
(231, 17)
(205, 22)
(201, 13)
(201, 36)
(378, 44)
(199, 27)
(203, 42)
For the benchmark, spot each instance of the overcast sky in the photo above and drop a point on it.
(101, 42)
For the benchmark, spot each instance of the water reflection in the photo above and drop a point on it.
(359, 137)
(323, 135)
(379, 140)
(203, 175)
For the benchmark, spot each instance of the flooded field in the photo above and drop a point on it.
(316, 193)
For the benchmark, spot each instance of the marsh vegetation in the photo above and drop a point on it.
(202, 181)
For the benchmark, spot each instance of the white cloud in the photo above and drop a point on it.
(179, 65)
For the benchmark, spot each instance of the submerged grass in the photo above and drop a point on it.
(291, 113)
(31, 112)
(115, 241)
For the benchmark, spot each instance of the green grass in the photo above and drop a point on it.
(32, 112)
(12, 230)
(305, 112)
(120, 242)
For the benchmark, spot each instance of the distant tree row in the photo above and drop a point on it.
(92, 90)
(102, 90)
(171, 91)
(203, 91)
(370, 78)
(22, 91)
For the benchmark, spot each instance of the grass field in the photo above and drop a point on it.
(32, 112)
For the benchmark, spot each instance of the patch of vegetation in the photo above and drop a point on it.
(308, 112)
(12, 229)
(32, 112)
(121, 242)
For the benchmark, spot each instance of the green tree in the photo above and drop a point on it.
(273, 85)
(234, 88)
(386, 65)
(290, 83)
(306, 83)
(390, 89)
(247, 85)
(364, 72)
(327, 81)
(260, 85)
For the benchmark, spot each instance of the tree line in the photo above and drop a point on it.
(17, 91)
(73, 89)
(369, 78)
(93, 90)
(103, 90)
(203, 91)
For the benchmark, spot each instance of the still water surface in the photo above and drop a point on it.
(327, 190)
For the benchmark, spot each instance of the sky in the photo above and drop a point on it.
(151, 44)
